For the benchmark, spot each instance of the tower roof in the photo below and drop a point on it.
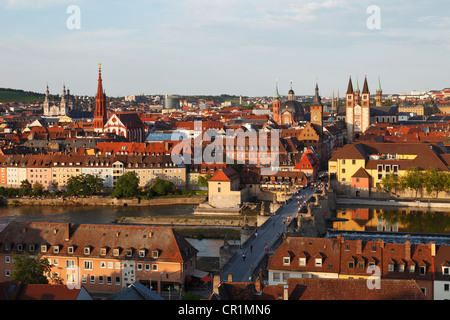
(379, 85)
(366, 86)
(277, 95)
(350, 86)
(317, 100)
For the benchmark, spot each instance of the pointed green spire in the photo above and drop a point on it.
(357, 85)
(379, 85)
(277, 95)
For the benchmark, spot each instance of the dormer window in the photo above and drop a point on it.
(155, 254)
(116, 252)
(141, 253)
(87, 250)
(70, 250)
(318, 262)
(103, 251)
(129, 252)
(302, 261)
(55, 249)
(31, 247)
(286, 261)
(44, 248)
(19, 247)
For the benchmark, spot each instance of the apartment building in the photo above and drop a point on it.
(340, 258)
(102, 258)
(363, 165)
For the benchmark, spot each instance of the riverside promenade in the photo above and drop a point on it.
(257, 246)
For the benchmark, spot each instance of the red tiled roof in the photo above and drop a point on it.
(227, 174)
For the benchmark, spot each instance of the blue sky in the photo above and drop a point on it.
(229, 46)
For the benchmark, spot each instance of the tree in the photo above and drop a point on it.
(25, 188)
(127, 186)
(435, 181)
(38, 189)
(32, 270)
(162, 187)
(413, 179)
(203, 180)
(391, 183)
(84, 185)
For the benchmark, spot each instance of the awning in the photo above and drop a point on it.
(199, 273)
(206, 279)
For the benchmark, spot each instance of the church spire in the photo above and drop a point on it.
(277, 95)
(100, 117)
(350, 86)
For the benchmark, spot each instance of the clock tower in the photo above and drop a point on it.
(316, 111)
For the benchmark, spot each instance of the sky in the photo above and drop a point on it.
(212, 47)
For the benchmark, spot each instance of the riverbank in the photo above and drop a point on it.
(104, 201)
(435, 205)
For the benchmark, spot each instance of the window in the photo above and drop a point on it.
(139, 266)
(302, 261)
(118, 281)
(446, 287)
(155, 254)
(276, 276)
(109, 280)
(351, 264)
(286, 261)
(390, 267)
(361, 265)
(318, 262)
(92, 279)
(129, 252)
(141, 253)
(100, 279)
(84, 278)
(401, 268)
(87, 250)
(7, 259)
(70, 249)
(412, 268)
(44, 248)
(103, 251)
(116, 252)
(446, 271)
(154, 267)
(423, 270)
(70, 264)
(55, 249)
(102, 264)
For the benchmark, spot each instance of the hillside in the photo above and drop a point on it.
(14, 95)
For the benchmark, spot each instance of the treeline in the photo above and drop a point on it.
(15, 95)
(85, 185)
(432, 181)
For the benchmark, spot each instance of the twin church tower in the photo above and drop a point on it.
(357, 109)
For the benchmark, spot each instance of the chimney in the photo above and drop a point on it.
(216, 283)
(230, 277)
(67, 232)
(358, 246)
(432, 249)
(407, 250)
(285, 292)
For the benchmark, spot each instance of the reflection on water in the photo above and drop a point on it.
(87, 214)
(392, 220)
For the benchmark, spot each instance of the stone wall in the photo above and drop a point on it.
(103, 201)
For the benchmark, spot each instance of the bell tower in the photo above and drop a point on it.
(379, 95)
(276, 105)
(100, 117)
(316, 110)
(349, 110)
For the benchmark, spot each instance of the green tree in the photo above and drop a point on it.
(31, 270)
(25, 188)
(38, 189)
(127, 186)
(413, 179)
(84, 185)
(391, 183)
(203, 180)
(161, 187)
(435, 181)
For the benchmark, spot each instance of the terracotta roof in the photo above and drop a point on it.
(13, 290)
(227, 174)
(169, 244)
(361, 173)
(344, 289)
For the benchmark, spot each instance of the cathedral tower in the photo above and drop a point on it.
(379, 95)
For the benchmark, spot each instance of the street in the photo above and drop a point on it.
(256, 247)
